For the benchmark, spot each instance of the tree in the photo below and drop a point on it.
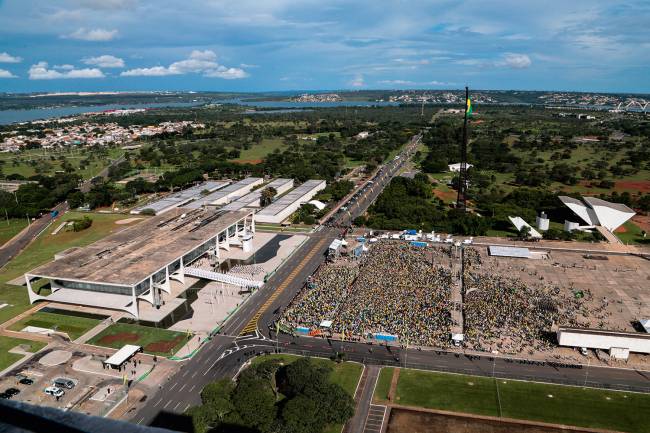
(524, 232)
(267, 195)
(302, 414)
(254, 401)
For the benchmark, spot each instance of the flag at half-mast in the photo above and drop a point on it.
(468, 107)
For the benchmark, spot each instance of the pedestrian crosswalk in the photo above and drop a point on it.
(251, 326)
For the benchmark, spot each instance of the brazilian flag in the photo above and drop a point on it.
(469, 109)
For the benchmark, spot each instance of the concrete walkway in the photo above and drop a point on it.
(363, 398)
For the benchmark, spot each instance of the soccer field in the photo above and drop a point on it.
(583, 407)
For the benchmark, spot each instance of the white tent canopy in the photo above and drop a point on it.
(122, 355)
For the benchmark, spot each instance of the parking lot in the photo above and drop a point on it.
(93, 392)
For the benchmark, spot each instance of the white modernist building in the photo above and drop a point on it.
(180, 198)
(283, 207)
(225, 195)
(597, 212)
(619, 344)
(137, 264)
(252, 199)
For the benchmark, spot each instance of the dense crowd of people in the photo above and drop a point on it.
(395, 289)
(408, 291)
(506, 314)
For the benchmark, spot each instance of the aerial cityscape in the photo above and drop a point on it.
(324, 217)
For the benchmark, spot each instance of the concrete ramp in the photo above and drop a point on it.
(222, 278)
(611, 237)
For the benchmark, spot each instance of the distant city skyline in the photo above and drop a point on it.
(281, 45)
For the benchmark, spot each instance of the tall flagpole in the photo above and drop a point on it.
(462, 178)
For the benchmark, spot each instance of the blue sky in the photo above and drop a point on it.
(259, 45)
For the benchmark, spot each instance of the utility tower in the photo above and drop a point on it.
(461, 201)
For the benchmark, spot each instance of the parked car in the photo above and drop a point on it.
(54, 391)
(4, 396)
(12, 392)
(62, 382)
(26, 381)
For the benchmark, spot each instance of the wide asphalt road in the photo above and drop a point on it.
(20, 241)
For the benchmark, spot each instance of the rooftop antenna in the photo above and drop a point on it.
(462, 178)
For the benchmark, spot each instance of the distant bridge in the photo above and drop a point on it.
(630, 104)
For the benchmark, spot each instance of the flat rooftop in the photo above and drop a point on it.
(133, 254)
(181, 197)
(252, 197)
(242, 186)
(290, 198)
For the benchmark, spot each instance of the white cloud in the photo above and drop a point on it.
(357, 81)
(7, 74)
(226, 73)
(515, 61)
(198, 62)
(414, 83)
(507, 60)
(105, 61)
(65, 67)
(156, 71)
(40, 71)
(8, 58)
(95, 35)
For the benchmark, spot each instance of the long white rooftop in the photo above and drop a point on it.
(179, 198)
(252, 199)
(223, 195)
(291, 198)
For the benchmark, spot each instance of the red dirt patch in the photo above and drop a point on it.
(445, 196)
(164, 346)
(633, 185)
(248, 161)
(127, 337)
(621, 229)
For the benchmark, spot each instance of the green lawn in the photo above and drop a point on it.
(632, 234)
(583, 407)
(46, 161)
(8, 343)
(154, 341)
(346, 374)
(74, 326)
(9, 229)
(383, 383)
(259, 151)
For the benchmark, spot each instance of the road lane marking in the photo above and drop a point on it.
(251, 326)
